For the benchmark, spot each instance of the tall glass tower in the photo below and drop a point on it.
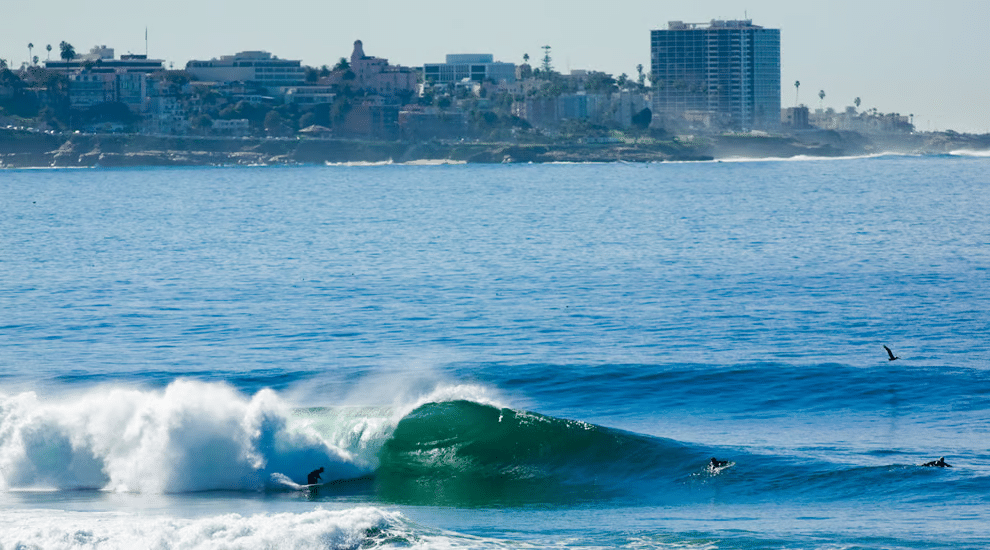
(723, 73)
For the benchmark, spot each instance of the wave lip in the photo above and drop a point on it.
(190, 437)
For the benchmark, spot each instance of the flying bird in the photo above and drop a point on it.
(890, 354)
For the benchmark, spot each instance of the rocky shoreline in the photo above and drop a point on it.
(22, 149)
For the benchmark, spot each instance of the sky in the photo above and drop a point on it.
(926, 58)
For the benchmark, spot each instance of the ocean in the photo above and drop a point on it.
(497, 356)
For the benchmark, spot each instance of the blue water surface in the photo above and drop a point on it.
(737, 309)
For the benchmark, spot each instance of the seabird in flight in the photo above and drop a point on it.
(890, 354)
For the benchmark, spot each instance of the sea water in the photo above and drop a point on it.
(509, 356)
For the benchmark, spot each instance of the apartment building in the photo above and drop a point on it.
(722, 74)
(87, 88)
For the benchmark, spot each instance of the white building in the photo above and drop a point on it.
(258, 67)
(100, 59)
(475, 67)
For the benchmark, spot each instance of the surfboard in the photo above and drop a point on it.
(718, 469)
(285, 481)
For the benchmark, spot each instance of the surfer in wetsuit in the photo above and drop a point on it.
(940, 463)
(716, 463)
(314, 477)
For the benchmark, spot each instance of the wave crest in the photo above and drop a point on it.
(190, 437)
(468, 452)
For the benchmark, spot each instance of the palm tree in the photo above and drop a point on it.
(68, 52)
(526, 58)
(642, 77)
(30, 53)
(856, 102)
(49, 48)
(797, 91)
(821, 98)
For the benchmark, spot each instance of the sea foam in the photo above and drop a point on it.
(191, 436)
(984, 153)
(318, 529)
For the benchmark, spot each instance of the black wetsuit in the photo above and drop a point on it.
(314, 476)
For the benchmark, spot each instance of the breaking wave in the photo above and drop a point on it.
(453, 445)
(984, 153)
(190, 437)
(470, 453)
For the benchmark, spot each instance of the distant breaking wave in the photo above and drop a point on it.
(970, 153)
(802, 158)
(389, 162)
(361, 163)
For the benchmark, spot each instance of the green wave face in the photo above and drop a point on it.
(464, 453)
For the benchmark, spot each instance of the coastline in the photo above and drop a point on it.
(23, 149)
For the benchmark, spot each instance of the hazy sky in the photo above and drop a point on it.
(927, 58)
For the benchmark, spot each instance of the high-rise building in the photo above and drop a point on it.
(723, 73)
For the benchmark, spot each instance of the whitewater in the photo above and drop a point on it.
(518, 356)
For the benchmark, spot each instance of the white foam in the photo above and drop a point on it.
(434, 162)
(191, 436)
(970, 153)
(360, 163)
(319, 529)
(361, 429)
(454, 392)
(805, 158)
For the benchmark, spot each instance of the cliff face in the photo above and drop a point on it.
(20, 149)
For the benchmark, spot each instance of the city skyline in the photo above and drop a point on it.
(927, 59)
